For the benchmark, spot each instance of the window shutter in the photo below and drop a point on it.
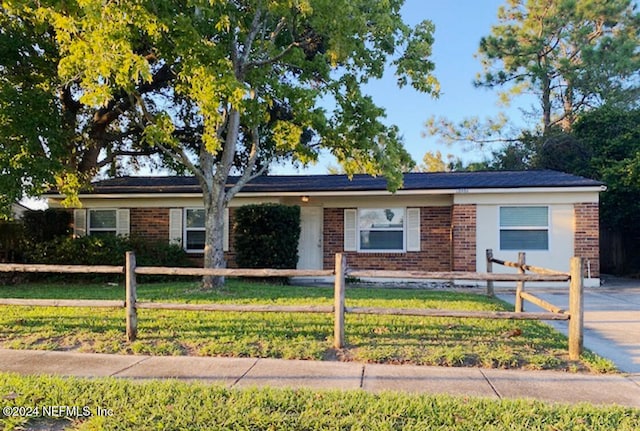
(175, 226)
(350, 230)
(79, 223)
(413, 229)
(122, 222)
(225, 238)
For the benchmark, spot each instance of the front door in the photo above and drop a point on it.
(310, 245)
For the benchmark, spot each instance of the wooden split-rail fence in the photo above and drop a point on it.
(131, 303)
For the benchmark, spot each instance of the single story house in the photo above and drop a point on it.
(435, 222)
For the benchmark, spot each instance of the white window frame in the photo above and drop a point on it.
(404, 232)
(91, 230)
(525, 228)
(186, 229)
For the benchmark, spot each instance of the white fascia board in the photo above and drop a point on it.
(589, 189)
(241, 194)
(258, 194)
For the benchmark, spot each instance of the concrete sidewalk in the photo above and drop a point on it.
(246, 372)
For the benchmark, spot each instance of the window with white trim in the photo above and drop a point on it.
(381, 229)
(188, 228)
(103, 222)
(524, 228)
(194, 229)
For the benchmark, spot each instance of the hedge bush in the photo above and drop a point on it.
(266, 236)
(42, 226)
(106, 250)
(11, 241)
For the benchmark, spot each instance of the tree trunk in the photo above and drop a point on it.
(568, 105)
(214, 239)
(215, 174)
(546, 104)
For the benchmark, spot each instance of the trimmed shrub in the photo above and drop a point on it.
(11, 241)
(266, 236)
(107, 250)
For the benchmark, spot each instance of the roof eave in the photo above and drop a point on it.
(241, 194)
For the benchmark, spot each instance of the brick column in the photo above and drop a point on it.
(463, 237)
(586, 240)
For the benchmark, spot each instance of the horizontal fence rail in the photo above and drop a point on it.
(339, 309)
(92, 303)
(63, 269)
(237, 308)
(510, 315)
(232, 272)
(531, 268)
(457, 275)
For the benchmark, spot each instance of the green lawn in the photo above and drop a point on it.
(381, 339)
(173, 405)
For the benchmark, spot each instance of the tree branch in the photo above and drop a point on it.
(274, 58)
(122, 153)
(281, 24)
(248, 174)
(248, 42)
(181, 157)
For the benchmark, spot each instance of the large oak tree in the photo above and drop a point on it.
(215, 87)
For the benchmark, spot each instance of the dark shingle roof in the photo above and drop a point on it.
(319, 183)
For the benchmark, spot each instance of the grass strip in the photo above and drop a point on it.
(374, 339)
(114, 404)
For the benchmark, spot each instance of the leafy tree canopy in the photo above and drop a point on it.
(210, 87)
(610, 146)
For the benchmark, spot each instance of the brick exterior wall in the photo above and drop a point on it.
(586, 242)
(151, 224)
(463, 233)
(435, 254)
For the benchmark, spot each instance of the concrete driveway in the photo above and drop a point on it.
(611, 319)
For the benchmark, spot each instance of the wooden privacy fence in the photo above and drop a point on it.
(339, 308)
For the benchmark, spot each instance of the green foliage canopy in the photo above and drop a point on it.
(573, 54)
(610, 139)
(215, 87)
(193, 78)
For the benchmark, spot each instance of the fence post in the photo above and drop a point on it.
(522, 259)
(490, 291)
(338, 301)
(576, 311)
(131, 296)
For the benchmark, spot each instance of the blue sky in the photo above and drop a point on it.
(459, 26)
